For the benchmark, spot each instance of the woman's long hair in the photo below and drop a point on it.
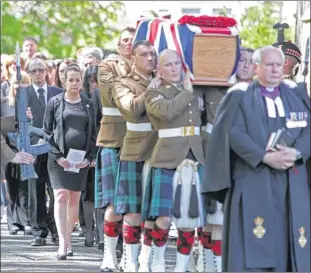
(89, 74)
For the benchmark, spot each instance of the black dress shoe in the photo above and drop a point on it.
(13, 232)
(55, 239)
(101, 245)
(38, 241)
(88, 244)
(61, 256)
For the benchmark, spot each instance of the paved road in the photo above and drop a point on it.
(18, 255)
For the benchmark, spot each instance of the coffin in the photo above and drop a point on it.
(214, 58)
(209, 45)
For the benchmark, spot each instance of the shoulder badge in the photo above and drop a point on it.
(242, 86)
(159, 97)
(106, 76)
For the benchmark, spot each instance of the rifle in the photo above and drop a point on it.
(22, 138)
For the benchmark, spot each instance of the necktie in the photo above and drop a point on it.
(41, 98)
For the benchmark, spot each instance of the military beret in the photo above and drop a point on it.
(289, 49)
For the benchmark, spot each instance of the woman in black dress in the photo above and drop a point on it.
(90, 90)
(69, 124)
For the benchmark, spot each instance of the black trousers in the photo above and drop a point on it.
(17, 210)
(41, 218)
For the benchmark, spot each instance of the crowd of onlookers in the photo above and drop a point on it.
(87, 59)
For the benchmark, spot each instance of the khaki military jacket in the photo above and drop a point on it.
(7, 125)
(112, 128)
(129, 93)
(169, 107)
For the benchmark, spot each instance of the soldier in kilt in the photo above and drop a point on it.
(110, 140)
(175, 111)
(210, 236)
(140, 138)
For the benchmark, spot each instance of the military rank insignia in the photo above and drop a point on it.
(167, 86)
(136, 78)
(302, 240)
(259, 231)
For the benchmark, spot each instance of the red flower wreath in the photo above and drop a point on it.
(208, 21)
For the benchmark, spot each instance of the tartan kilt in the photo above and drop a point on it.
(158, 197)
(128, 191)
(106, 169)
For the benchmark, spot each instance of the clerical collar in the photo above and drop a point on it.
(271, 93)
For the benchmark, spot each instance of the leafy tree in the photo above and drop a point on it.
(60, 26)
(257, 25)
(223, 11)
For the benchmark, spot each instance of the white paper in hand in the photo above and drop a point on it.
(74, 157)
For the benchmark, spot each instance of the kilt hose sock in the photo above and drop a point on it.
(159, 236)
(112, 231)
(206, 239)
(217, 247)
(185, 241)
(147, 233)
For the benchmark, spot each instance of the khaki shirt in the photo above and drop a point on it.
(7, 125)
(169, 107)
(112, 128)
(129, 94)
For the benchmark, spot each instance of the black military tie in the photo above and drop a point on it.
(41, 98)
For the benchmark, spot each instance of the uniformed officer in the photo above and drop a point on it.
(292, 59)
(110, 140)
(138, 144)
(175, 111)
(7, 155)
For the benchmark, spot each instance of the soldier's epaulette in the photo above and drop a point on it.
(240, 86)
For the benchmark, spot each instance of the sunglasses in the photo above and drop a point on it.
(39, 70)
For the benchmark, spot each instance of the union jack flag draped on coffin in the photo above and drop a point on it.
(165, 34)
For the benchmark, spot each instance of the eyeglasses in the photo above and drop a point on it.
(34, 71)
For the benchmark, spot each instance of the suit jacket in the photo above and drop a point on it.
(169, 107)
(129, 94)
(36, 109)
(7, 125)
(54, 131)
(112, 129)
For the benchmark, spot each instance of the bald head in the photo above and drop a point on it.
(170, 66)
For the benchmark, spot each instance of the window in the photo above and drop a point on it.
(223, 12)
(190, 10)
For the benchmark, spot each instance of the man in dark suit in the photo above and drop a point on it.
(41, 220)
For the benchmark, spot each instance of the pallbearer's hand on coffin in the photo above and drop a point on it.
(187, 81)
(155, 83)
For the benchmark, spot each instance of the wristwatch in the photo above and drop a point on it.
(298, 155)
